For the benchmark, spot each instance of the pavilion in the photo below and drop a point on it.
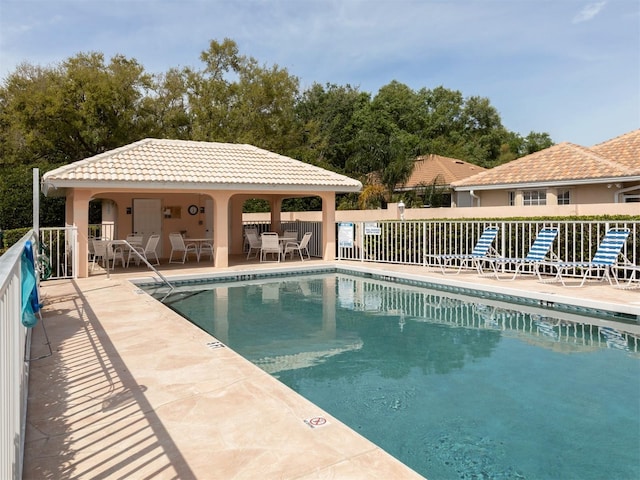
(161, 186)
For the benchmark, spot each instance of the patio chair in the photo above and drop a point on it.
(148, 252)
(537, 253)
(178, 246)
(205, 248)
(481, 251)
(301, 246)
(99, 252)
(254, 244)
(602, 263)
(247, 230)
(135, 239)
(270, 246)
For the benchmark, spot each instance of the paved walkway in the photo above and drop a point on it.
(134, 391)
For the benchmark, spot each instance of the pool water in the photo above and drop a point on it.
(453, 387)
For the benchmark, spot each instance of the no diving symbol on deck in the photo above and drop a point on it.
(316, 422)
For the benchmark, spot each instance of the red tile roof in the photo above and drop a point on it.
(189, 164)
(616, 158)
(443, 170)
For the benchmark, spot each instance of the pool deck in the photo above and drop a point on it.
(134, 391)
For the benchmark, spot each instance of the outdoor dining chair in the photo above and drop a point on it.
(300, 247)
(254, 243)
(148, 252)
(180, 248)
(270, 246)
(205, 248)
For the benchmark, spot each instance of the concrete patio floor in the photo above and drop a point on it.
(135, 391)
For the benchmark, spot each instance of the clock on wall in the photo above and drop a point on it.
(193, 209)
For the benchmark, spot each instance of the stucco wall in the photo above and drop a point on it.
(392, 213)
(579, 194)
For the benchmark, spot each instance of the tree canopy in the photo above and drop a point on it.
(52, 116)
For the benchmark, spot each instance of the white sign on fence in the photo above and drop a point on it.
(372, 228)
(345, 235)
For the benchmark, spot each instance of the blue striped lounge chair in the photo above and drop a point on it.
(479, 253)
(602, 263)
(537, 253)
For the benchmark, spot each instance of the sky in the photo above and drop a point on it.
(568, 68)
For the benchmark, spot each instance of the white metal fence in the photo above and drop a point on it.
(315, 243)
(14, 369)
(58, 247)
(413, 242)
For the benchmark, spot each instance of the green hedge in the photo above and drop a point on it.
(9, 237)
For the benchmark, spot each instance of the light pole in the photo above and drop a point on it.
(401, 209)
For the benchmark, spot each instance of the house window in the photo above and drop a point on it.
(512, 198)
(534, 197)
(564, 197)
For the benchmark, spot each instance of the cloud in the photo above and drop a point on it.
(588, 12)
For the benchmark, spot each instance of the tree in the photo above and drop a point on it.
(233, 99)
(54, 116)
(328, 118)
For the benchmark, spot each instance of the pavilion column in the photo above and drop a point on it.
(276, 206)
(236, 231)
(221, 200)
(78, 215)
(328, 226)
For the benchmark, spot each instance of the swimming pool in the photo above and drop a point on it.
(452, 385)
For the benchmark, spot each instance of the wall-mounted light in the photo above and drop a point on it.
(201, 209)
(401, 209)
(128, 210)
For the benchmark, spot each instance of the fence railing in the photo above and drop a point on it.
(14, 369)
(58, 246)
(315, 243)
(415, 242)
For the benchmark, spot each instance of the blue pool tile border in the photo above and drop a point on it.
(552, 306)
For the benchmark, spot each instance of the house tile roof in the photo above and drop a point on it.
(624, 149)
(442, 170)
(567, 162)
(153, 163)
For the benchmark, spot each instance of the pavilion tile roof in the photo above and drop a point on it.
(567, 162)
(441, 170)
(180, 163)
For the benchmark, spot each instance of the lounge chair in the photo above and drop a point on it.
(537, 253)
(179, 246)
(480, 252)
(630, 269)
(603, 262)
(301, 246)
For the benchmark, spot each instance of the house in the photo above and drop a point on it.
(564, 174)
(437, 171)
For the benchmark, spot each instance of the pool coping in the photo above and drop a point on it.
(553, 300)
(99, 328)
